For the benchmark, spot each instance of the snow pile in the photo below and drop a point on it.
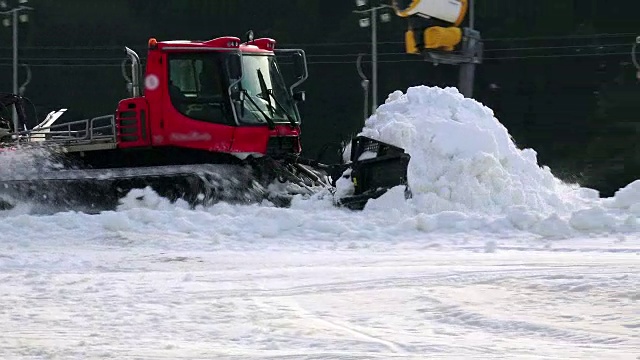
(627, 198)
(466, 172)
(463, 158)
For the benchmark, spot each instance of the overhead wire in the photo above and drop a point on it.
(579, 47)
(588, 48)
(490, 58)
(596, 46)
(542, 56)
(66, 65)
(560, 37)
(316, 44)
(526, 38)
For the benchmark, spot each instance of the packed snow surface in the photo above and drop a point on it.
(492, 258)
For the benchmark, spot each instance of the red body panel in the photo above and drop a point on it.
(179, 130)
(166, 126)
(154, 86)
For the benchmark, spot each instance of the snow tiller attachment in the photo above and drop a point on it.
(375, 167)
(206, 121)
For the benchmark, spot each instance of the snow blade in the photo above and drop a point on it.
(376, 167)
(96, 190)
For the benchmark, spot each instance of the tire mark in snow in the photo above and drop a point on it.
(434, 279)
(530, 317)
(456, 316)
(350, 329)
(431, 280)
(278, 321)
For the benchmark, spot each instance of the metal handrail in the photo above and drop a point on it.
(64, 133)
(111, 126)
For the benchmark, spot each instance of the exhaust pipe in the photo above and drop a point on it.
(135, 72)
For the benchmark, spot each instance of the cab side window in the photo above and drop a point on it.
(196, 87)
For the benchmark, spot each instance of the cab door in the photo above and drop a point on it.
(196, 107)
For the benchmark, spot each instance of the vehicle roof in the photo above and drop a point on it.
(262, 45)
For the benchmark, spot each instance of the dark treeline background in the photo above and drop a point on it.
(558, 73)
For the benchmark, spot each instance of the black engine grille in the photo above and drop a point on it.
(282, 145)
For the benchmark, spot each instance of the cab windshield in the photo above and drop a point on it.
(199, 84)
(265, 92)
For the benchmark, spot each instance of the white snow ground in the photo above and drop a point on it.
(492, 258)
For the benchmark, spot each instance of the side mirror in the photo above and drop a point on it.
(235, 66)
(300, 96)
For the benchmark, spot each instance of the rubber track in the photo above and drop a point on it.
(101, 189)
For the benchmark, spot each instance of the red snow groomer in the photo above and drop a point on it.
(207, 121)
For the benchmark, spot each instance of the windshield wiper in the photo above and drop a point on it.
(267, 94)
(272, 125)
(264, 90)
(284, 111)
